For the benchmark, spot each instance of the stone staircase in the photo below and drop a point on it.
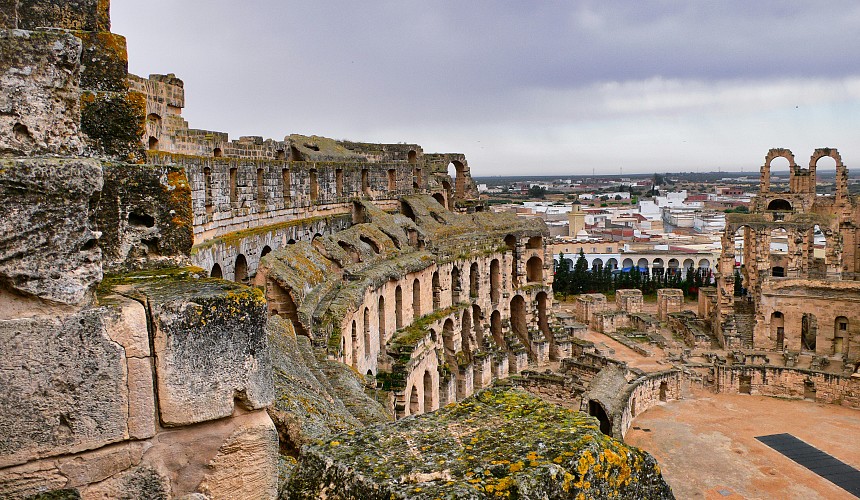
(745, 322)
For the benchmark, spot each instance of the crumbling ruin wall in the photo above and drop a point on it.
(779, 381)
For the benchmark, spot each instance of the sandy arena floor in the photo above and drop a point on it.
(706, 445)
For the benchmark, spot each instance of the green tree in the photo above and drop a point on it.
(579, 277)
(537, 192)
(561, 281)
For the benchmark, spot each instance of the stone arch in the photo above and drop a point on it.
(779, 204)
(597, 264)
(612, 264)
(416, 299)
(808, 332)
(448, 338)
(217, 153)
(473, 280)
(777, 327)
(535, 243)
(674, 266)
(240, 269)
(265, 251)
(354, 255)
(817, 155)
(414, 402)
(534, 270)
(519, 322)
(366, 330)
(772, 154)
(367, 240)
(398, 307)
(627, 264)
(152, 144)
(455, 285)
(596, 410)
(688, 265)
(412, 156)
(477, 317)
(439, 197)
(704, 264)
(496, 329)
(466, 332)
(280, 155)
(459, 179)
(511, 243)
(383, 334)
(495, 280)
(642, 264)
(216, 271)
(428, 391)
(657, 266)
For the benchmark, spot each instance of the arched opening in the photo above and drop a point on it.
(642, 264)
(216, 271)
(217, 153)
(459, 180)
(365, 181)
(473, 280)
(840, 335)
(466, 333)
(595, 409)
(455, 285)
(412, 156)
(266, 251)
(534, 270)
(428, 392)
(535, 243)
(367, 340)
(511, 243)
(369, 242)
(280, 155)
(597, 264)
(657, 266)
(295, 154)
(240, 270)
(779, 205)
(437, 291)
(477, 317)
(808, 332)
(315, 187)
(392, 180)
(674, 267)
(496, 330)
(439, 197)
(777, 272)
(153, 144)
(519, 324)
(398, 307)
(448, 339)
(704, 264)
(416, 299)
(663, 389)
(354, 344)
(688, 266)
(207, 190)
(285, 186)
(627, 265)
(779, 175)
(495, 280)
(383, 334)
(354, 255)
(234, 185)
(414, 402)
(543, 321)
(777, 325)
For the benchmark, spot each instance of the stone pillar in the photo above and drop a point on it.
(669, 300)
(629, 301)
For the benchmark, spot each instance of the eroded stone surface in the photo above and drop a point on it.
(246, 464)
(500, 443)
(63, 384)
(39, 105)
(48, 246)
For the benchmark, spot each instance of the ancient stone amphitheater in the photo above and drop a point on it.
(185, 316)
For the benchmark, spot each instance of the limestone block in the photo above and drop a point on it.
(145, 216)
(39, 105)
(143, 481)
(101, 464)
(30, 479)
(114, 122)
(246, 465)
(63, 386)
(104, 61)
(89, 15)
(210, 345)
(47, 243)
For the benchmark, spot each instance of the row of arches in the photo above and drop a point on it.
(810, 334)
(675, 265)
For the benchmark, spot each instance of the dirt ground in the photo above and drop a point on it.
(706, 445)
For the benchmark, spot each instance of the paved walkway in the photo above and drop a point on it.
(707, 449)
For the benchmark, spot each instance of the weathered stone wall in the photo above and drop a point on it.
(669, 300)
(629, 301)
(789, 383)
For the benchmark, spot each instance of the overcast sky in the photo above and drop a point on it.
(520, 87)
